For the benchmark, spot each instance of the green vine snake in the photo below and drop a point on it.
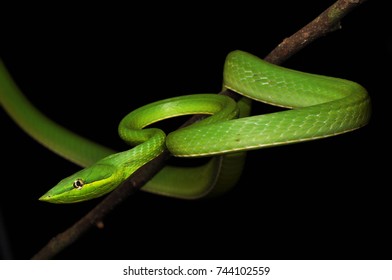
(317, 106)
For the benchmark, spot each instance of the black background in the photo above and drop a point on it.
(87, 67)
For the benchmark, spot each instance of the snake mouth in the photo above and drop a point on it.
(61, 199)
(52, 198)
(46, 197)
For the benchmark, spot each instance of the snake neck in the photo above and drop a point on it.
(127, 162)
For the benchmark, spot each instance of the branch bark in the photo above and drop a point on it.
(326, 22)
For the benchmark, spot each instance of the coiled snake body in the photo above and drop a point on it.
(320, 106)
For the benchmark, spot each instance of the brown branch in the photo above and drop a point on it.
(326, 22)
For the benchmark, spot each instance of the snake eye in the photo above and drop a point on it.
(78, 184)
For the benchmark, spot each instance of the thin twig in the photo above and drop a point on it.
(326, 22)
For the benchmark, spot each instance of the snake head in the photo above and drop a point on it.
(89, 183)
